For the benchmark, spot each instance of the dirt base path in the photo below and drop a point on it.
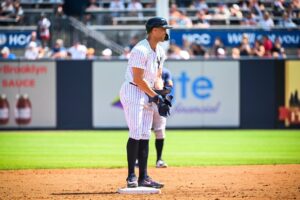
(233, 182)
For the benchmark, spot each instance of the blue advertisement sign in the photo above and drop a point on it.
(233, 37)
(14, 39)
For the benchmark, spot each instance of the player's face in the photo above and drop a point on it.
(160, 33)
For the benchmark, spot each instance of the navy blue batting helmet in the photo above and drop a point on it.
(157, 22)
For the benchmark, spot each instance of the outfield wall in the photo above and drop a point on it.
(70, 94)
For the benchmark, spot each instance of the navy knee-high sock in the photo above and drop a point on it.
(143, 158)
(132, 153)
(159, 144)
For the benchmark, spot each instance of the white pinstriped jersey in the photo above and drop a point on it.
(138, 115)
(142, 56)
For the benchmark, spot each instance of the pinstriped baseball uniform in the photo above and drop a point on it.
(138, 113)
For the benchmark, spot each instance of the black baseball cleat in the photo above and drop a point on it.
(132, 181)
(148, 182)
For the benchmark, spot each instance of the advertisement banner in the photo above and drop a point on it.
(14, 39)
(106, 82)
(27, 94)
(290, 112)
(206, 94)
(233, 37)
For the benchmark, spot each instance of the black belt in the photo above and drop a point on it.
(133, 84)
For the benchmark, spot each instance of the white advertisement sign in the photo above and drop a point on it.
(107, 80)
(206, 94)
(28, 94)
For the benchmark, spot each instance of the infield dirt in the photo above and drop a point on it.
(224, 182)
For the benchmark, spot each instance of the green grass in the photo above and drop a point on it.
(94, 149)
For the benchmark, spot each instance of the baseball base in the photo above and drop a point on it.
(139, 190)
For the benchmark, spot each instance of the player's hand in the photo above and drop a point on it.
(163, 105)
(156, 99)
(165, 91)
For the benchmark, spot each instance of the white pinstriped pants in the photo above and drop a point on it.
(159, 125)
(138, 114)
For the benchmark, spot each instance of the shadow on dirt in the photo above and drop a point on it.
(84, 193)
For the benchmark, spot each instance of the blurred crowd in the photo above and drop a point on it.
(11, 11)
(248, 13)
(36, 49)
(183, 13)
(244, 12)
(198, 13)
(262, 48)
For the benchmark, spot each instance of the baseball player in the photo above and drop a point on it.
(139, 98)
(159, 122)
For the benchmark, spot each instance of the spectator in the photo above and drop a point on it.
(134, 6)
(197, 50)
(116, 6)
(201, 21)
(258, 49)
(90, 54)
(77, 51)
(89, 18)
(249, 20)
(268, 45)
(244, 48)
(182, 20)
(6, 54)
(106, 54)
(33, 38)
(221, 12)
(18, 13)
(295, 8)
(32, 51)
(235, 11)
(174, 12)
(244, 5)
(150, 4)
(59, 12)
(175, 52)
(44, 52)
(59, 51)
(125, 54)
(184, 4)
(218, 49)
(171, 53)
(235, 53)
(256, 8)
(201, 5)
(93, 5)
(221, 53)
(286, 21)
(43, 29)
(278, 51)
(35, 44)
(266, 22)
(7, 8)
(278, 7)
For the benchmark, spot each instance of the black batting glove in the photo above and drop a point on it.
(168, 99)
(156, 99)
